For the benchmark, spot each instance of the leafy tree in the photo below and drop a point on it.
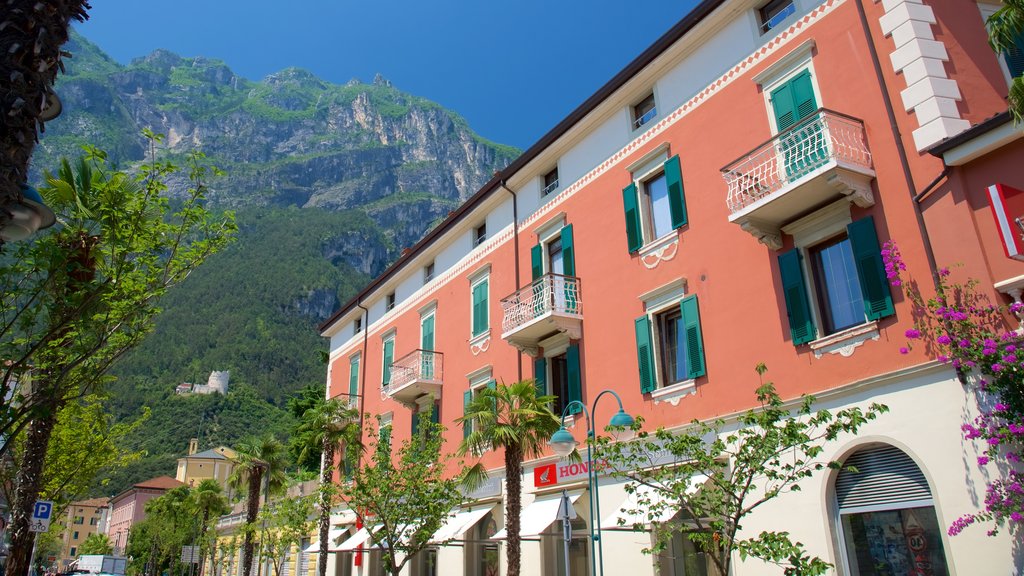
(402, 497)
(154, 545)
(77, 298)
(1005, 27)
(306, 453)
(96, 544)
(323, 427)
(772, 449)
(209, 502)
(284, 523)
(511, 417)
(260, 465)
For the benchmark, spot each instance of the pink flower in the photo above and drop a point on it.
(982, 460)
(913, 333)
(904, 350)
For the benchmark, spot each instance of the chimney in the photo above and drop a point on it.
(193, 446)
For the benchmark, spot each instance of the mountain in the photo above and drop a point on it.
(329, 183)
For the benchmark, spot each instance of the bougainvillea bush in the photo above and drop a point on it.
(981, 341)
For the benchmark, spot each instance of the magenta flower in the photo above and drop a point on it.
(913, 333)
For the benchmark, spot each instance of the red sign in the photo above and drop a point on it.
(558, 472)
(1008, 209)
(546, 475)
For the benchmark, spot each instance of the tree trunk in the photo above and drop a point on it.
(325, 507)
(203, 530)
(252, 509)
(28, 483)
(513, 504)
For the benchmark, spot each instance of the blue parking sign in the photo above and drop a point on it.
(42, 510)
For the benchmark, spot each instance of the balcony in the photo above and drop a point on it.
(414, 375)
(549, 305)
(819, 160)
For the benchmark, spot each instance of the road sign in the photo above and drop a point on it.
(189, 554)
(41, 515)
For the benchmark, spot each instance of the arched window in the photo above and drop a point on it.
(887, 516)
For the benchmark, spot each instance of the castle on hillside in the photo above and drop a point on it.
(217, 382)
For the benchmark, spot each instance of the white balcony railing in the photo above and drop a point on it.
(418, 366)
(551, 293)
(823, 137)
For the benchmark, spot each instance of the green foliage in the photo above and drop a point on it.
(154, 544)
(403, 495)
(765, 454)
(96, 544)
(282, 524)
(259, 465)
(1005, 26)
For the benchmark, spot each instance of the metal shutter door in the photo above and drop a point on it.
(886, 478)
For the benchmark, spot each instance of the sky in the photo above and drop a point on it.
(513, 69)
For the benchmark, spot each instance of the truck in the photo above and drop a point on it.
(102, 563)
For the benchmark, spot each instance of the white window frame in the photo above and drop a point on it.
(549, 189)
(475, 279)
(428, 312)
(634, 128)
(390, 300)
(429, 271)
(785, 22)
(478, 238)
(357, 360)
(390, 335)
(798, 60)
(656, 302)
(647, 169)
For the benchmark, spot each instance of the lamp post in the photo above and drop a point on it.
(562, 444)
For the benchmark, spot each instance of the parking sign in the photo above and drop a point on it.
(41, 514)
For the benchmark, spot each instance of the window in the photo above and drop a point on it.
(887, 516)
(93, 521)
(353, 381)
(558, 374)
(483, 557)
(480, 312)
(550, 182)
(428, 272)
(74, 551)
(846, 281)
(389, 301)
(388, 359)
(430, 410)
(357, 327)
(794, 106)
(654, 204)
(384, 433)
(74, 535)
(554, 548)
(477, 382)
(480, 234)
(426, 563)
(669, 344)
(774, 13)
(78, 520)
(644, 111)
(681, 557)
(427, 356)
(555, 254)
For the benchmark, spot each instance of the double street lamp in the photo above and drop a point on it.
(562, 444)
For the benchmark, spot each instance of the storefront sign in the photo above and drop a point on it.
(1008, 209)
(561, 472)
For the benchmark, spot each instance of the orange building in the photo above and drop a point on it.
(719, 203)
(82, 520)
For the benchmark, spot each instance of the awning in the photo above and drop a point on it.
(648, 494)
(536, 517)
(333, 535)
(344, 517)
(358, 540)
(458, 524)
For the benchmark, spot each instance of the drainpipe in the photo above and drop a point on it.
(928, 189)
(900, 150)
(515, 258)
(362, 373)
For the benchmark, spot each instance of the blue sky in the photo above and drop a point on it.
(513, 69)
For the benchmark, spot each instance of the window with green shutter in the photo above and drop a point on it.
(654, 204)
(353, 381)
(670, 344)
(794, 290)
(389, 358)
(481, 321)
(645, 355)
(574, 385)
(803, 146)
(467, 425)
(693, 337)
(867, 255)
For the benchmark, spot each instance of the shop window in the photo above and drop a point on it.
(887, 516)
(483, 557)
(681, 556)
(554, 549)
(654, 204)
(425, 563)
(845, 285)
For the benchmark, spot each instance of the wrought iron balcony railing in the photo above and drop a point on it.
(551, 293)
(823, 137)
(418, 366)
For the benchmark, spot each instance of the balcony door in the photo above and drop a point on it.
(803, 147)
(555, 256)
(427, 346)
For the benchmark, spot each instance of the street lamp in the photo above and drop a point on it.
(562, 444)
(25, 217)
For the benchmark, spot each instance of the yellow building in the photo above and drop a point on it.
(215, 463)
(82, 519)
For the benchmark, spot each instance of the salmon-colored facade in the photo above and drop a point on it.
(773, 224)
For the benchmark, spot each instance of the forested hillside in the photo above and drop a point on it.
(329, 183)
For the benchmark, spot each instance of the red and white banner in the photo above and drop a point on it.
(1008, 209)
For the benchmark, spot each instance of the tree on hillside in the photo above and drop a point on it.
(402, 497)
(79, 296)
(739, 468)
(1006, 35)
(210, 504)
(259, 466)
(322, 429)
(513, 418)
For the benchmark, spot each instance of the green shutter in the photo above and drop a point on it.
(632, 209)
(467, 399)
(389, 357)
(480, 308)
(798, 307)
(1015, 56)
(783, 106)
(537, 261)
(575, 388)
(427, 333)
(694, 338)
(870, 269)
(415, 422)
(435, 412)
(645, 354)
(676, 197)
(492, 385)
(568, 252)
(540, 373)
(803, 95)
(353, 381)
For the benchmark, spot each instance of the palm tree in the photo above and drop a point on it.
(260, 463)
(322, 429)
(1004, 29)
(512, 417)
(210, 503)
